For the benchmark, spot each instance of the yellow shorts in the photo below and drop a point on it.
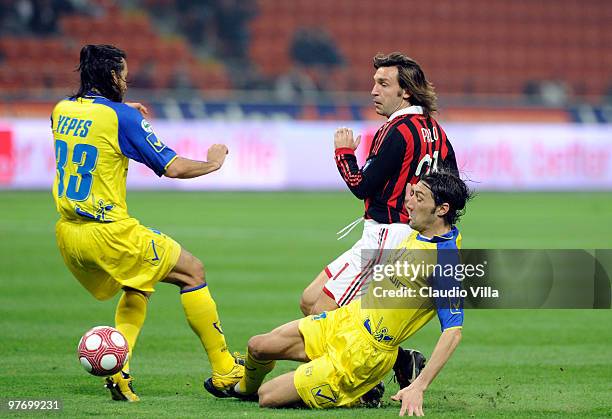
(105, 257)
(344, 364)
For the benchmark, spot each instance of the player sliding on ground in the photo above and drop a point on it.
(346, 352)
(95, 135)
(408, 145)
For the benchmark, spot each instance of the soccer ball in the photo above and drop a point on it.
(103, 351)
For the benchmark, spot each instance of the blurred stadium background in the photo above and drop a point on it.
(549, 56)
(272, 78)
(525, 92)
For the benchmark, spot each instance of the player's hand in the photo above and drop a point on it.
(139, 107)
(343, 138)
(216, 155)
(412, 401)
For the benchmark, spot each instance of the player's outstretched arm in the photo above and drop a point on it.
(183, 168)
(412, 396)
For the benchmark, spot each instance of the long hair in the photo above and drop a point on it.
(446, 187)
(95, 66)
(410, 77)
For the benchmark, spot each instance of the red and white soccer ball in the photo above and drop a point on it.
(103, 351)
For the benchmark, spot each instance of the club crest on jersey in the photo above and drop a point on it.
(380, 333)
(102, 209)
(320, 316)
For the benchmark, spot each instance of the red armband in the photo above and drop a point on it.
(344, 150)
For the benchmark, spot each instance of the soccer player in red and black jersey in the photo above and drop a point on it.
(409, 145)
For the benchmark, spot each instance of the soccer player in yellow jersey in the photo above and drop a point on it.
(95, 134)
(346, 352)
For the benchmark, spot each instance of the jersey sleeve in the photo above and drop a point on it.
(137, 141)
(448, 161)
(377, 170)
(449, 309)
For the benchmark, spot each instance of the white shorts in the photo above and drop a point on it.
(349, 272)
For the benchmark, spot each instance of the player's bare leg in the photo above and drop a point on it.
(279, 392)
(284, 342)
(324, 303)
(187, 273)
(314, 300)
(201, 313)
(312, 292)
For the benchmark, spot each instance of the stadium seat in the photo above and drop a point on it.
(460, 43)
(519, 40)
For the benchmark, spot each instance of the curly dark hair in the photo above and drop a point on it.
(448, 188)
(95, 66)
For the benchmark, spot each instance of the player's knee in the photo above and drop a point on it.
(146, 294)
(256, 346)
(199, 271)
(266, 397)
(197, 274)
(306, 304)
(265, 401)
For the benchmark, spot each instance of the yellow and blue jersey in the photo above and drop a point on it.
(94, 139)
(388, 321)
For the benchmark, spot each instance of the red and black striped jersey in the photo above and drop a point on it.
(406, 147)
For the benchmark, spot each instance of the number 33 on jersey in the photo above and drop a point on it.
(94, 140)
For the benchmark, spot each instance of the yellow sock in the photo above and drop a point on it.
(129, 318)
(201, 312)
(254, 373)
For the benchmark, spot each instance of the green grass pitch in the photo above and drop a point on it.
(260, 251)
